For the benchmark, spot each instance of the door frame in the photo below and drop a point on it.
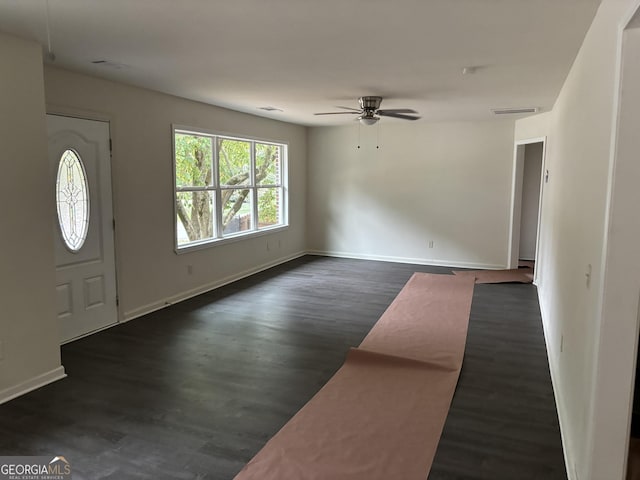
(516, 200)
(82, 114)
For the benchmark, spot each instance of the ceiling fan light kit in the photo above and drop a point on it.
(365, 120)
(370, 112)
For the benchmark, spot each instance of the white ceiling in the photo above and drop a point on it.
(306, 56)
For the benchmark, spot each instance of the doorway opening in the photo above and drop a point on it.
(526, 201)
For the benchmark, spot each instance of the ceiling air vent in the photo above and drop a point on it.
(514, 111)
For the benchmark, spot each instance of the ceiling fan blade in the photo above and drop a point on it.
(349, 108)
(338, 113)
(387, 113)
(396, 110)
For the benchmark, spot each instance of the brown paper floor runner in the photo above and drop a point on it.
(381, 415)
(516, 275)
(427, 320)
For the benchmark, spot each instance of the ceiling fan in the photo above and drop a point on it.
(370, 112)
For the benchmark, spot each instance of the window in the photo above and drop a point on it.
(226, 187)
(72, 200)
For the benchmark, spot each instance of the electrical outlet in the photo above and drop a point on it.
(430, 243)
(190, 269)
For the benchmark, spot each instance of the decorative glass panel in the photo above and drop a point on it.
(236, 210)
(72, 199)
(234, 157)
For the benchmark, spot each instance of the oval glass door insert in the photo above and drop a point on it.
(72, 199)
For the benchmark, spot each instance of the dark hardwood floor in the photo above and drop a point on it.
(194, 391)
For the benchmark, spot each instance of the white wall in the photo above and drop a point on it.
(621, 289)
(536, 126)
(29, 336)
(530, 200)
(149, 272)
(443, 182)
(573, 241)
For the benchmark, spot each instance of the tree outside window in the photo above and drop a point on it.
(226, 186)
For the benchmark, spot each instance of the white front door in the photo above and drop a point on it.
(80, 160)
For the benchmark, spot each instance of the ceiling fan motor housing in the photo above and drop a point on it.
(370, 103)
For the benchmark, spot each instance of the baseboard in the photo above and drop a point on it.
(32, 384)
(168, 301)
(417, 261)
(553, 369)
(179, 297)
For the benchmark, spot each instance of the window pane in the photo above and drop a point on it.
(236, 210)
(193, 160)
(195, 216)
(267, 164)
(269, 207)
(234, 157)
(72, 200)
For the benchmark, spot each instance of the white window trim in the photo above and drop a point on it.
(240, 236)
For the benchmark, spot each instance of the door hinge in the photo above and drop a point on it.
(117, 301)
(110, 145)
(113, 223)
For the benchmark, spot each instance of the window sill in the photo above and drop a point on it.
(231, 239)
